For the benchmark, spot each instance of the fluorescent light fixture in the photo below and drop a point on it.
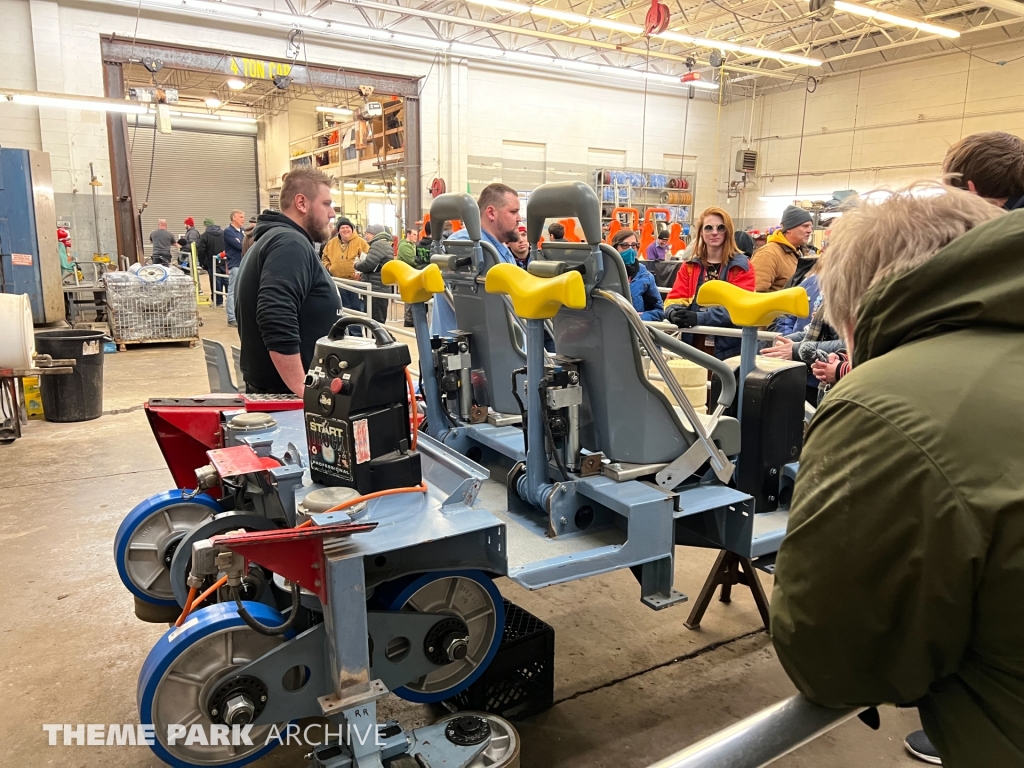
(578, 66)
(502, 5)
(617, 26)
(235, 119)
(416, 41)
(553, 13)
(235, 84)
(898, 21)
(479, 51)
(636, 31)
(342, 111)
(85, 105)
(529, 58)
(622, 72)
(787, 57)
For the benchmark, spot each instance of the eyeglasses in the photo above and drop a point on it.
(709, 228)
(623, 246)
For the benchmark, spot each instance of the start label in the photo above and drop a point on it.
(330, 446)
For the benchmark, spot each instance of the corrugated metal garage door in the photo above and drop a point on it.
(197, 174)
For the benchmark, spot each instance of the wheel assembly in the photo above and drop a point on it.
(181, 563)
(149, 537)
(466, 595)
(186, 681)
(503, 744)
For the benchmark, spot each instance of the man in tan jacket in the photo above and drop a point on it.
(341, 252)
(338, 255)
(775, 262)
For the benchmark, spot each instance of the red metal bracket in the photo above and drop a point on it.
(295, 553)
(240, 460)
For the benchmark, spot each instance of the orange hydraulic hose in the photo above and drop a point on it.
(421, 488)
(414, 416)
(220, 583)
(193, 602)
(188, 606)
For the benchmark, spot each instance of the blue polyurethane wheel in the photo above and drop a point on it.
(181, 672)
(470, 595)
(148, 537)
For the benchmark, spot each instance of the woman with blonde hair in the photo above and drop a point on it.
(714, 256)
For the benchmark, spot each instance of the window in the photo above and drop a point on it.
(382, 213)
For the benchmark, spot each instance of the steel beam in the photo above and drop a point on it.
(125, 51)
(126, 220)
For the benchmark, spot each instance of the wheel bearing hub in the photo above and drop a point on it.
(238, 701)
(468, 731)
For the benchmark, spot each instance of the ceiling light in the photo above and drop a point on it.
(553, 13)
(237, 119)
(479, 51)
(618, 26)
(898, 21)
(212, 101)
(417, 41)
(84, 105)
(235, 84)
(342, 111)
(529, 58)
(579, 66)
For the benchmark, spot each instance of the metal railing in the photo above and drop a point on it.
(707, 330)
(762, 738)
(366, 290)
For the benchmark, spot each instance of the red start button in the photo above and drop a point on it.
(335, 385)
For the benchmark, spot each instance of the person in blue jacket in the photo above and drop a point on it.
(642, 287)
(233, 235)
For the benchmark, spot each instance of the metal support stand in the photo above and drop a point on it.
(535, 487)
(656, 579)
(748, 362)
(729, 569)
(436, 421)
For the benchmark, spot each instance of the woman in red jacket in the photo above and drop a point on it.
(714, 256)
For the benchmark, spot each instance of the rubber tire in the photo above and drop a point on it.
(142, 511)
(393, 596)
(178, 640)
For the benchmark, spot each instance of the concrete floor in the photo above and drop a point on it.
(631, 685)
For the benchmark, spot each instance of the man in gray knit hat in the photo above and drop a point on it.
(775, 262)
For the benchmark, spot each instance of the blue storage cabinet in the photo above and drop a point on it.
(29, 261)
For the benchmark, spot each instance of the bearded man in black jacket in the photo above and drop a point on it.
(285, 300)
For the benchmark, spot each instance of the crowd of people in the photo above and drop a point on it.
(900, 574)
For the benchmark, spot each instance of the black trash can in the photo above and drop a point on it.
(77, 396)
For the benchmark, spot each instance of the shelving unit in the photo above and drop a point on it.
(354, 148)
(632, 188)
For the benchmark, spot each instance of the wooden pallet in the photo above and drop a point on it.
(122, 345)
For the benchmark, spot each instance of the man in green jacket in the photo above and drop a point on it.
(901, 578)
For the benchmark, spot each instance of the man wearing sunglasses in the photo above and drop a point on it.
(775, 262)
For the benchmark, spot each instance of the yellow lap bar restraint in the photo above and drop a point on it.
(537, 298)
(415, 285)
(753, 309)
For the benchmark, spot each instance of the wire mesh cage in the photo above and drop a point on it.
(152, 303)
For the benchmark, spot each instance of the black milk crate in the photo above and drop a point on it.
(520, 680)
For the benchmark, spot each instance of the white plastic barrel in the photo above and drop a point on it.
(17, 342)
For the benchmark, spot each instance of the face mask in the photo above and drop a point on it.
(628, 256)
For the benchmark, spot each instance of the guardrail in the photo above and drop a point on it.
(707, 330)
(366, 290)
(762, 738)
